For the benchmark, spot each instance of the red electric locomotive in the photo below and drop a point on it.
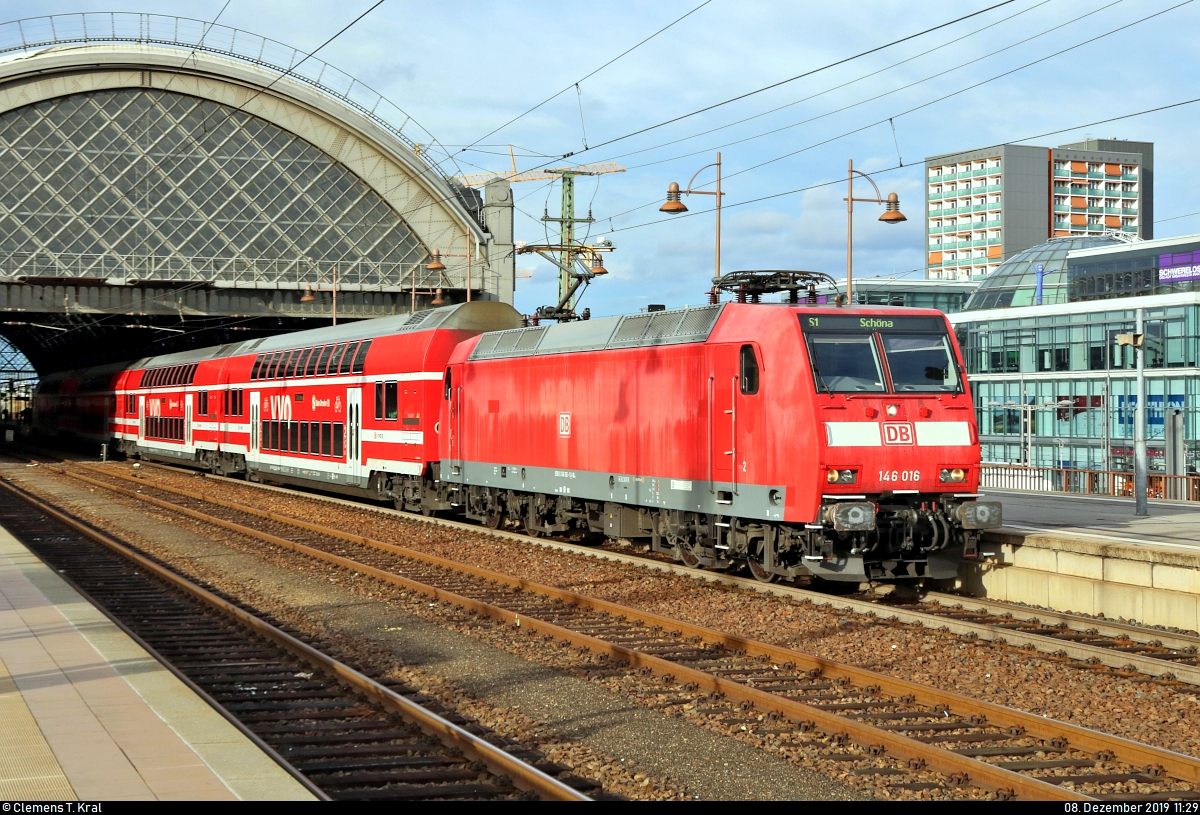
(799, 440)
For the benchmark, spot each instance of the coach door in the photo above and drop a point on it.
(354, 432)
(188, 407)
(255, 424)
(456, 423)
(722, 420)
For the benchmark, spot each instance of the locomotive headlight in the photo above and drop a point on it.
(832, 476)
(841, 476)
(892, 410)
(953, 475)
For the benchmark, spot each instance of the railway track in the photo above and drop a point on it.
(341, 733)
(1083, 642)
(877, 723)
(1086, 643)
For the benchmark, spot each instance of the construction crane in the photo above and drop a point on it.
(578, 264)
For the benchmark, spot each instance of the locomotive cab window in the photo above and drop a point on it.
(853, 353)
(920, 362)
(846, 364)
(749, 375)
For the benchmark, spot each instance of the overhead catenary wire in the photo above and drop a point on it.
(839, 86)
(575, 84)
(922, 81)
(893, 168)
(890, 119)
(799, 76)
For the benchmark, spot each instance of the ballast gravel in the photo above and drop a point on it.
(1135, 707)
(593, 728)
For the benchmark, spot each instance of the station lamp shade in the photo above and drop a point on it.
(597, 266)
(437, 298)
(308, 296)
(892, 215)
(436, 265)
(673, 206)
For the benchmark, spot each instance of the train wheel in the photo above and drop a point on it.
(533, 524)
(686, 550)
(493, 519)
(755, 562)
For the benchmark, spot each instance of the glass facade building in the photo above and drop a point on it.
(1052, 386)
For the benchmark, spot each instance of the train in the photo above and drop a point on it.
(789, 440)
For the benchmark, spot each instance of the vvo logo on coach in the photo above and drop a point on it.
(897, 433)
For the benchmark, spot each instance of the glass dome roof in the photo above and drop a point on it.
(1014, 283)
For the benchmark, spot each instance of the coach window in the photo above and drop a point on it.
(272, 364)
(291, 364)
(310, 367)
(326, 434)
(294, 432)
(379, 400)
(258, 362)
(449, 388)
(339, 431)
(360, 357)
(338, 351)
(284, 364)
(303, 363)
(315, 445)
(749, 370)
(202, 403)
(304, 437)
(347, 359)
(323, 360)
(391, 408)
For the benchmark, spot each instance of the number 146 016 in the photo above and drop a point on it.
(899, 475)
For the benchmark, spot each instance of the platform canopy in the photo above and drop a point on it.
(168, 184)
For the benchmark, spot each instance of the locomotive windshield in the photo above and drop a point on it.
(875, 354)
(846, 364)
(920, 362)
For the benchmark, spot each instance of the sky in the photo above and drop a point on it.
(464, 70)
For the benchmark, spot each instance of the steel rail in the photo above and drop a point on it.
(524, 776)
(1178, 766)
(1083, 653)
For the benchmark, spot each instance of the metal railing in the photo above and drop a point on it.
(228, 272)
(32, 33)
(1115, 483)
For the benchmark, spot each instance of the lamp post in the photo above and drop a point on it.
(436, 265)
(891, 215)
(1137, 341)
(309, 297)
(675, 207)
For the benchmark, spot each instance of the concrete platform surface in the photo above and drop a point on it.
(87, 714)
(1172, 526)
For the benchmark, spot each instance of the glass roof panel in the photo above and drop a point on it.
(1015, 280)
(146, 172)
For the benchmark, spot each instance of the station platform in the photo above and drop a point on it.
(1092, 555)
(87, 714)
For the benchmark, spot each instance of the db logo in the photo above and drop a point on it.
(564, 424)
(897, 433)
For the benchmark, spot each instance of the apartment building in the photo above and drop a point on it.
(984, 206)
